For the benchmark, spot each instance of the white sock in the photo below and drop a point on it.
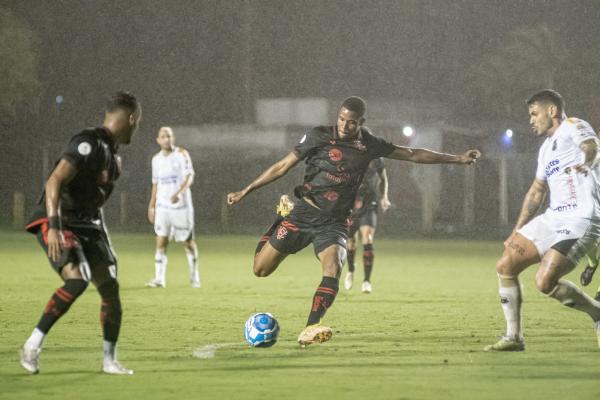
(160, 266)
(192, 259)
(36, 339)
(511, 299)
(110, 350)
(571, 296)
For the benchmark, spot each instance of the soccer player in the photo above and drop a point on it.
(70, 228)
(171, 209)
(363, 221)
(566, 231)
(336, 159)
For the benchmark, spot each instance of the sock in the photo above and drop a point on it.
(160, 265)
(60, 302)
(110, 310)
(323, 299)
(351, 265)
(36, 339)
(265, 238)
(511, 300)
(368, 258)
(571, 296)
(110, 350)
(192, 259)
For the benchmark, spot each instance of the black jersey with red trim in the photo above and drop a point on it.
(368, 192)
(335, 167)
(93, 153)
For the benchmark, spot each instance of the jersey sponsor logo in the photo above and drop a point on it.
(552, 167)
(281, 232)
(564, 231)
(335, 155)
(341, 178)
(566, 207)
(331, 195)
(84, 148)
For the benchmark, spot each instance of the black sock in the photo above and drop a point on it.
(368, 258)
(351, 260)
(110, 310)
(265, 238)
(60, 302)
(323, 299)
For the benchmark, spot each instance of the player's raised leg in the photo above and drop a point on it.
(519, 253)
(57, 306)
(332, 260)
(555, 265)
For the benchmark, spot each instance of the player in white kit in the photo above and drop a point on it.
(171, 209)
(568, 229)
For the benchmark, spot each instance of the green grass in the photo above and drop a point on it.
(419, 335)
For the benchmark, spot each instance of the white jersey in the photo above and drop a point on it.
(572, 194)
(168, 173)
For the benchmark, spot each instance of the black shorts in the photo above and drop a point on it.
(306, 225)
(364, 217)
(91, 243)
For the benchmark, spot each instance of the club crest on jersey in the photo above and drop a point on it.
(281, 232)
(335, 155)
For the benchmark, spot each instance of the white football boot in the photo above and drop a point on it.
(30, 359)
(349, 280)
(155, 284)
(366, 287)
(114, 367)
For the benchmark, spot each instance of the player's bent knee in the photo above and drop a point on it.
(504, 266)
(261, 270)
(76, 286)
(544, 283)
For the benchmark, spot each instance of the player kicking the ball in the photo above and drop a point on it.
(566, 231)
(170, 208)
(336, 158)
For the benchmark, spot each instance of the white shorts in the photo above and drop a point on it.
(547, 230)
(174, 224)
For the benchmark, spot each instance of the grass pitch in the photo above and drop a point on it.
(419, 335)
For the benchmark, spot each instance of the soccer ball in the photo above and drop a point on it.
(261, 330)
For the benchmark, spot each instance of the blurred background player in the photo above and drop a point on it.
(171, 209)
(336, 159)
(587, 275)
(569, 229)
(70, 228)
(373, 192)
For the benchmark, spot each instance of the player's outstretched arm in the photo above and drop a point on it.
(425, 156)
(62, 174)
(274, 172)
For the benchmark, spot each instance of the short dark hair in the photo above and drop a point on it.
(548, 96)
(356, 105)
(122, 100)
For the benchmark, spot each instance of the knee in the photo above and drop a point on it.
(545, 283)
(76, 287)
(109, 289)
(504, 267)
(260, 270)
(332, 270)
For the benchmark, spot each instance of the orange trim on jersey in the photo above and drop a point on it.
(326, 290)
(36, 222)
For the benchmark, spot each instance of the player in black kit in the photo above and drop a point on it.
(372, 193)
(336, 159)
(70, 227)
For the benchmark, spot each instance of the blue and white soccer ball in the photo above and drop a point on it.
(261, 330)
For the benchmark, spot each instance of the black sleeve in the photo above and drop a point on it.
(80, 150)
(380, 147)
(307, 145)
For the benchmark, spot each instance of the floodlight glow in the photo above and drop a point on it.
(408, 131)
(509, 133)
(59, 99)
